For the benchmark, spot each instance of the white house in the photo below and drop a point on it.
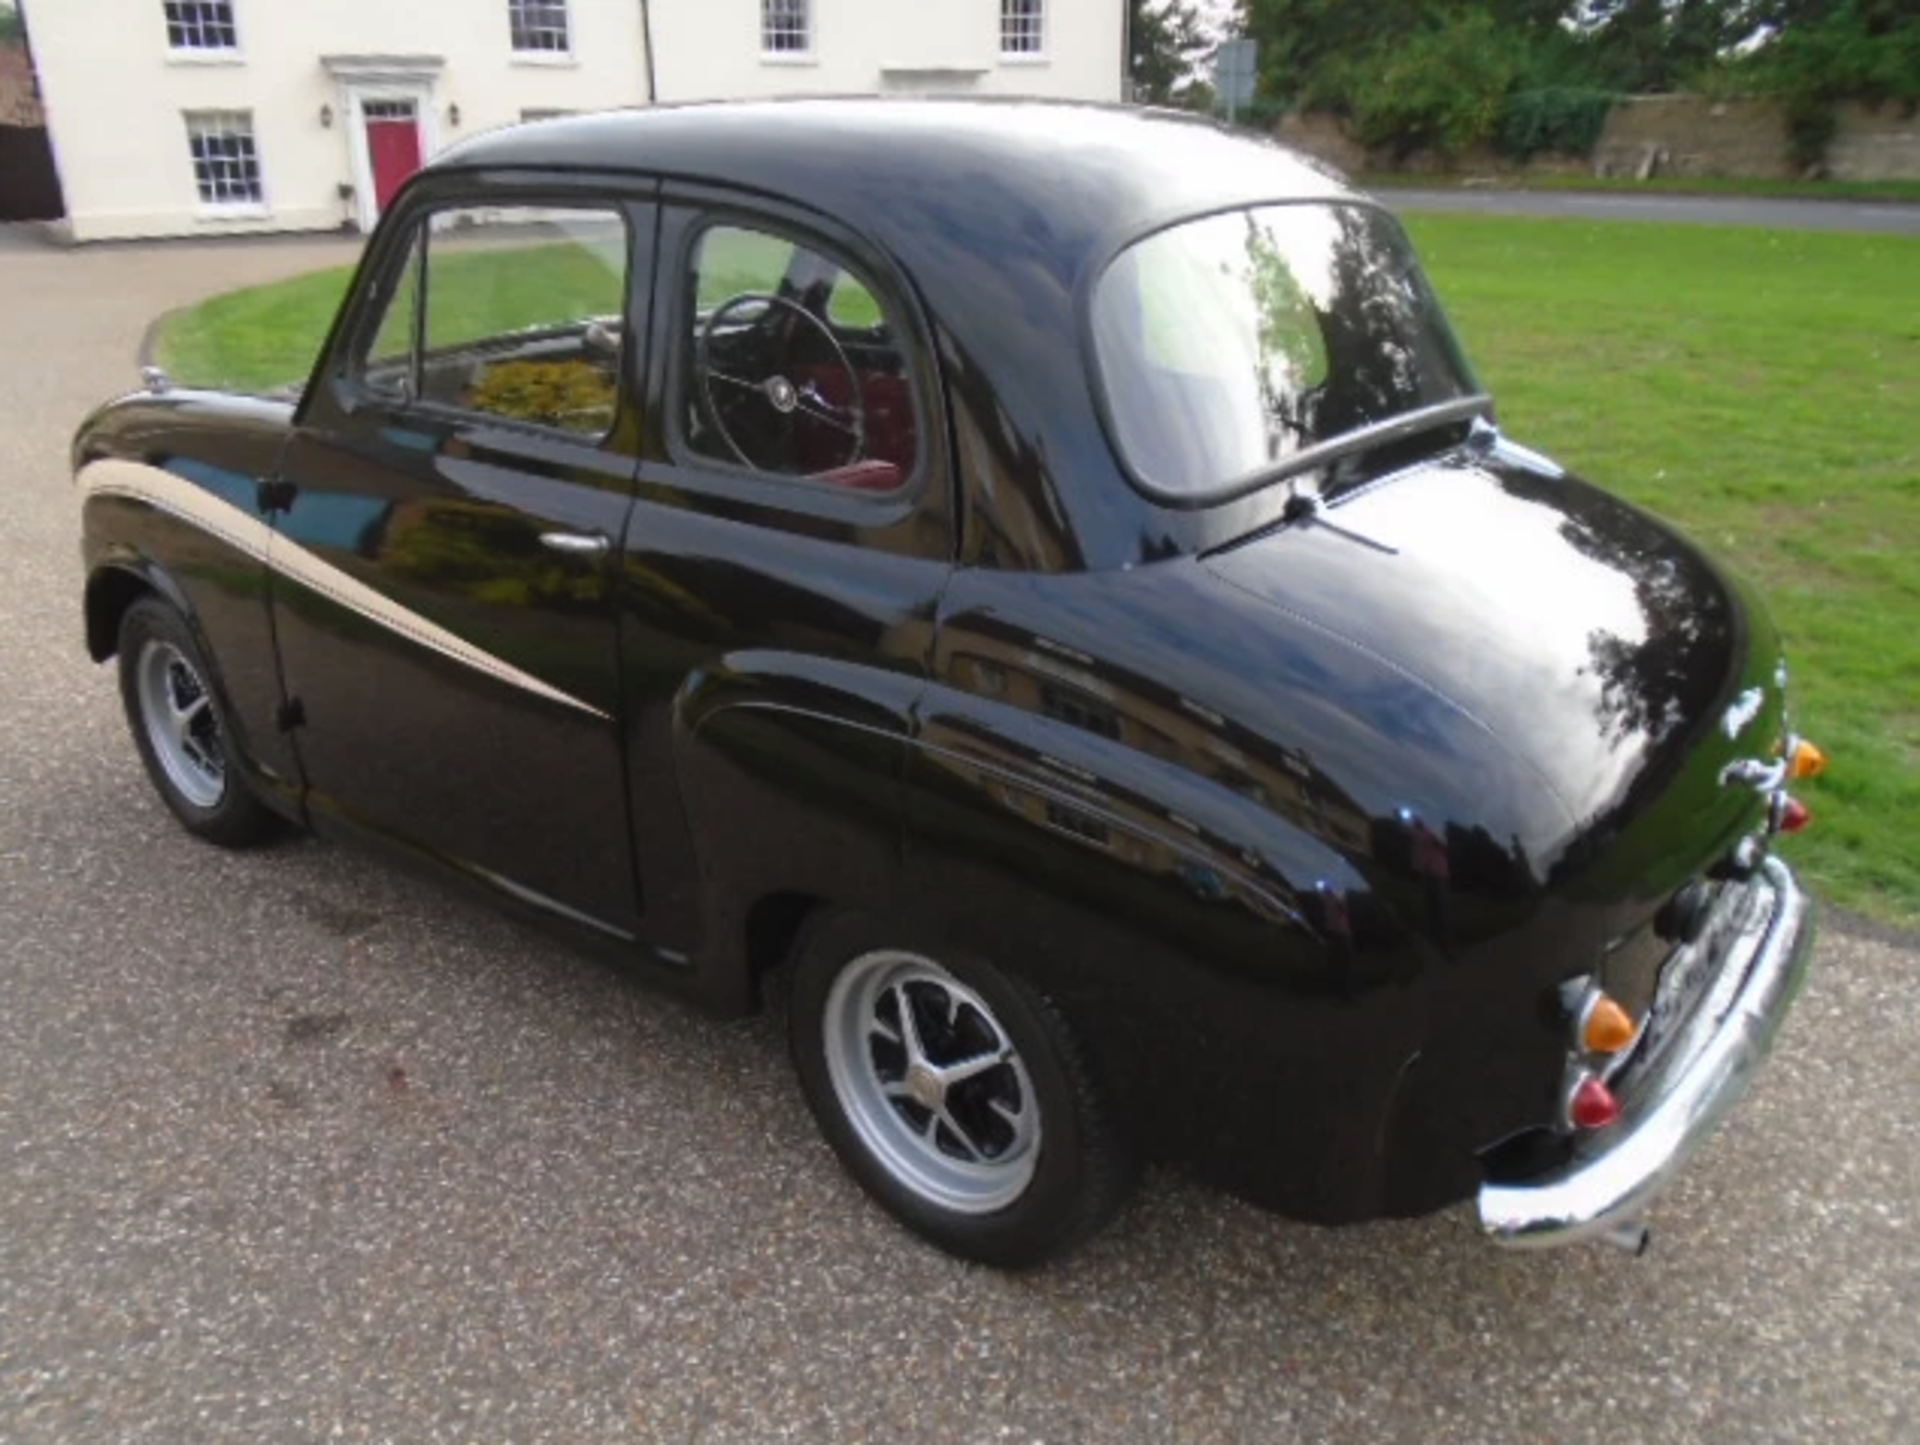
(192, 117)
(1072, 49)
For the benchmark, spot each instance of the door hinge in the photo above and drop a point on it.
(292, 714)
(275, 494)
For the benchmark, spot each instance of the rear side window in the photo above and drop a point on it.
(513, 313)
(789, 364)
(1228, 343)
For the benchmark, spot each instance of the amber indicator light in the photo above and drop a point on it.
(1608, 1028)
(1807, 760)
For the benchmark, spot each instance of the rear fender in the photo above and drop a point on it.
(790, 769)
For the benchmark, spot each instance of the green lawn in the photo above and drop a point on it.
(252, 340)
(1760, 388)
(1883, 191)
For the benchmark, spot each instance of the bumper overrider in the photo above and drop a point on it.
(1692, 1076)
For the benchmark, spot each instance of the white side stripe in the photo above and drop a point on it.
(249, 535)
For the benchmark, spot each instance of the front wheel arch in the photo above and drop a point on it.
(111, 591)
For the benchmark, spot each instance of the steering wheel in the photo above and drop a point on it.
(783, 398)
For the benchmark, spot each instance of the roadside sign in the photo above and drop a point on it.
(1234, 73)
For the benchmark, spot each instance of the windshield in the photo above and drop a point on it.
(1230, 344)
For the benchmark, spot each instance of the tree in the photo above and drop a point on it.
(13, 29)
(1654, 45)
(1307, 46)
(1168, 42)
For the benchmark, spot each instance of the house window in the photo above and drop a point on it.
(201, 25)
(226, 167)
(783, 27)
(1022, 27)
(539, 26)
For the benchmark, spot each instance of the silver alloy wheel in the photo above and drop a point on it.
(182, 727)
(930, 1081)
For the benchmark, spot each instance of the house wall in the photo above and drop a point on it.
(115, 95)
(710, 49)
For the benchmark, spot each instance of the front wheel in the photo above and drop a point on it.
(178, 726)
(955, 1094)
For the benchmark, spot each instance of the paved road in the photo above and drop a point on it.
(1902, 220)
(292, 1149)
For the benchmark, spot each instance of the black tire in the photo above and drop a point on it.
(200, 777)
(1059, 1188)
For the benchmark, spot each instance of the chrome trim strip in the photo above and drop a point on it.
(1320, 454)
(1694, 1083)
(249, 535)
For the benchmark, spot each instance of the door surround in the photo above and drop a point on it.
(364, 78)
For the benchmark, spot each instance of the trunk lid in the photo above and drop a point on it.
(1603, 650)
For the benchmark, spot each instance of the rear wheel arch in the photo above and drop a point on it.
(774, 925)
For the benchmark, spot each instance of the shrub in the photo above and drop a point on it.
(1441, 88)
(1563, 119)
(1857, 49)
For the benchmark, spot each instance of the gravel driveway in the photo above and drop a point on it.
(293, 1148)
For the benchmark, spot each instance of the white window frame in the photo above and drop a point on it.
(535, 18)
(205, 14)
(202, 124)
(786, 18)
(1023, 32)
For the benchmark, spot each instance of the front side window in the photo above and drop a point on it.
(539, 26)
(201, 25)
(1022, 27)
(508, 312)
(1227, 344)
(226, 165)
(791, 366)
(783, 27)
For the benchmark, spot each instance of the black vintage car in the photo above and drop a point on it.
(1042, 584)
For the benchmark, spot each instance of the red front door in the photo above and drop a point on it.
(393, 147)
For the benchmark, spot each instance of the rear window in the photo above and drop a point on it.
(1230, 343)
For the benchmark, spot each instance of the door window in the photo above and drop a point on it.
(791, 365)
(510, 312)
(388, 370)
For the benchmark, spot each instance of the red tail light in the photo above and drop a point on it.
(1593, 1105)
(1793, 815)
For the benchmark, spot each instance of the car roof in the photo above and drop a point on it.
(866, 159)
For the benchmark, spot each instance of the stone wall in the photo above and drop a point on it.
(1875, 144)
(1667, 135)
(1688, 135)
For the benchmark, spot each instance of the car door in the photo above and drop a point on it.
(453, 499)
(792, 532)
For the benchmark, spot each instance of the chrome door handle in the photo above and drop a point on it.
(577, 544)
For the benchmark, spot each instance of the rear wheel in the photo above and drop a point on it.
(954, 1093)
(178, 726)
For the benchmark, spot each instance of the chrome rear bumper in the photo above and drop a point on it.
(1670, 1108)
